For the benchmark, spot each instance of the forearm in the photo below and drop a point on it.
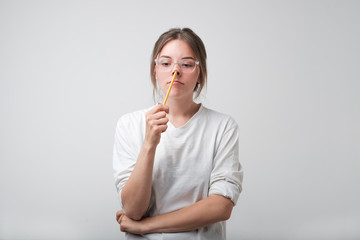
(213, 209)
(136, 193)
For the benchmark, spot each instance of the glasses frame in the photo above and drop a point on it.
(178, 62)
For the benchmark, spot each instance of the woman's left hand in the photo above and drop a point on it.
(129, 225)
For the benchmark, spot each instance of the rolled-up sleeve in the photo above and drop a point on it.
(227, 174)
(124, 154)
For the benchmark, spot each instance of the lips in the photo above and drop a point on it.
(176, 82)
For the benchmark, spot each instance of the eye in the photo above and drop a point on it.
(188, 64)
(164, 62)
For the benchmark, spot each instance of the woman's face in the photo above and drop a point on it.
(185, 82)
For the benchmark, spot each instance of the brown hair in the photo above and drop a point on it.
(195, 44)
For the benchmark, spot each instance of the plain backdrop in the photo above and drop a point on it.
(287, 71)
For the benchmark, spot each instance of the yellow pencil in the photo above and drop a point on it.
(168, 92)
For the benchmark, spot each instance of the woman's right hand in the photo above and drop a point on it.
(156, 123)
(136, 193)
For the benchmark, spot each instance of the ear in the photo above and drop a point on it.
(199, 74)
(155, 73)
(196, 86)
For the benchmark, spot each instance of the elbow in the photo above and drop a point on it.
(227, 210)
(134, 215)
(226, 213)
(133, 211)
(223, 207)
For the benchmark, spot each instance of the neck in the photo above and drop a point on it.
(180, 111)
(181, 108)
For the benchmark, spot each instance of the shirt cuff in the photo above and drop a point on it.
(226, 188)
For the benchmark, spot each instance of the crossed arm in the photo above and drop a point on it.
(212, 209)
(136, 193)
(136, 196)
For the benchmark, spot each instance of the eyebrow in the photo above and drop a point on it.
(164, 56)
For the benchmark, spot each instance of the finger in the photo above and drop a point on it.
(161, 121)
(163, 128)
(118, 214)
(120, 218)
(164, 108)
(157, 108)
(157, 115)
(122, 224)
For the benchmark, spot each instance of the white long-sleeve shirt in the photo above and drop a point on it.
(191, 163)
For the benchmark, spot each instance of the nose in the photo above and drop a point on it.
(176, 68)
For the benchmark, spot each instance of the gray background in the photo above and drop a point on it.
(287, 71)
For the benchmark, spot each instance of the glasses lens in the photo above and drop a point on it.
(186, 65)
(164, 64)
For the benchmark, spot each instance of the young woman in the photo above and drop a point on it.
(176, 165)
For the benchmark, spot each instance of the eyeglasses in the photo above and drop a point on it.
(186, 65)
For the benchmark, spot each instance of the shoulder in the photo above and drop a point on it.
(133, 115)
(132, 119)
(219, 119)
